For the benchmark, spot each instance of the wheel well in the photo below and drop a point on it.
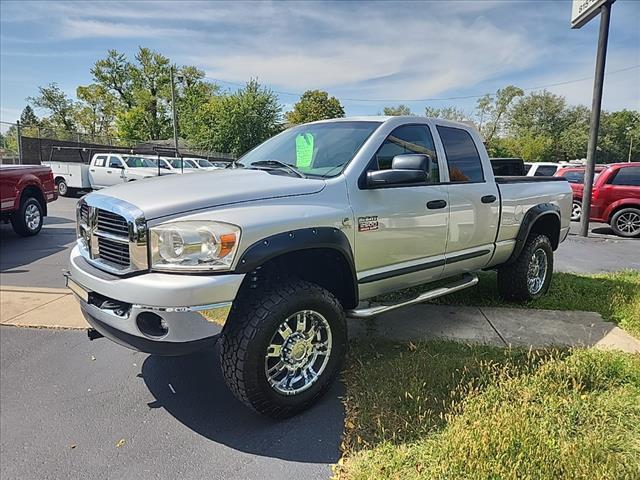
(35, 192)
(326, 267)
(58, 180)
(548, 225)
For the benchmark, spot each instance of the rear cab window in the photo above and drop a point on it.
(463, 158)
(545, 171)
(574, 176)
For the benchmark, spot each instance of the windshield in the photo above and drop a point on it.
(205, 163)
(190, 163)
(321, 149)
(139, 162)
(177, 163)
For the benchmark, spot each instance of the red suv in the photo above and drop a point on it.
(575, 177)
(616, 198)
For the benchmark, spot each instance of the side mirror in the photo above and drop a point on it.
(406, 169)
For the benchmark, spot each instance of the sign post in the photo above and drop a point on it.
(582, 12)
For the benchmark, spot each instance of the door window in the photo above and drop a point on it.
(100, 161)
(574, 177)
(629, 176)
(545, 171)
(114, 162)
(408, 139)
(462, 155)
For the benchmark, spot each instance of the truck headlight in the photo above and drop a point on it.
(193, 246)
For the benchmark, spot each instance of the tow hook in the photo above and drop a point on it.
(94, 334)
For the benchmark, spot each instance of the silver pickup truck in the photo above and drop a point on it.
(268, 257)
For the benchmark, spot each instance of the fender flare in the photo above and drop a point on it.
(530, 218)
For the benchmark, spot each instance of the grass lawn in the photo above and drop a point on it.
(442, 410)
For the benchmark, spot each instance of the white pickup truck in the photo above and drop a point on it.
(104, 170)
(270, 256)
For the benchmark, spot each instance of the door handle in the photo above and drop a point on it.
(92, 169)
(435, 204)
(488, 199)
(108, 171)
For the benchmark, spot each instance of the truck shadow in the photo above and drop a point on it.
(16, 251)
(203, 403)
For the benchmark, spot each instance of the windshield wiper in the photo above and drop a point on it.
(277, 164)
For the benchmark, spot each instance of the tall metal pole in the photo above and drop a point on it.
(605, 13)
(19, 133)
(175, 114)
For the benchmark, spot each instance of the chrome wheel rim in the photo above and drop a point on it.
(32, 217)
(298, 352)
(62, 188)
(576, 211)
(537, 271)
(629, 223)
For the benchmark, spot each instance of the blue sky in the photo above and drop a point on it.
(388, 52)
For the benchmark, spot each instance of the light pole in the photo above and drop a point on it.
(175, 113)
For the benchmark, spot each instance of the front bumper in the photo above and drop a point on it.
(193, 308)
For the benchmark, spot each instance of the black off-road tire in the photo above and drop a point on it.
(249, 330)
(625, 222)
(512, 278)
(19, 220)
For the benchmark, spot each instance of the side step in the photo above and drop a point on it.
(468, 280)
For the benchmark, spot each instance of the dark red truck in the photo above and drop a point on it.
(25, 191)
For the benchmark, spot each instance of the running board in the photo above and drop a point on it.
(468, 280)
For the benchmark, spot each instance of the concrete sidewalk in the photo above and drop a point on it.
(57, 308)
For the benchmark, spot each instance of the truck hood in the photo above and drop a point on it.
(172, 194)
(142, 172)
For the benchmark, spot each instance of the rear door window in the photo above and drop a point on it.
(100, 161)
(462, 155)
(629, 176)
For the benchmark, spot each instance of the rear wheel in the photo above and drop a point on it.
(282, 349)
(63, 189)
(529, 276)
(626, 222)
(576, 210)
(28, 219)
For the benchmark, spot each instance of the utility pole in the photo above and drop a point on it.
(594, 125)
(19, 133)
(175, 114)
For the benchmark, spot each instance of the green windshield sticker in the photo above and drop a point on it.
(304, 150)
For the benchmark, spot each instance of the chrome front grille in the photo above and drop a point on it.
(113, 251)
(112, 234)
(113, 223)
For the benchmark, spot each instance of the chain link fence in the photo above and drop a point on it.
(32, 145)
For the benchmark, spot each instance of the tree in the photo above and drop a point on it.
(315, 105)
(114, 74)
(618, 131)
(28, 117)
(492, 109)
(397, 111)
(446, 113)
(236, 123)
(97, 110)
(61, 109)
(193, 93)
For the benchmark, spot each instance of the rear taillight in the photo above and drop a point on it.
(594, 194)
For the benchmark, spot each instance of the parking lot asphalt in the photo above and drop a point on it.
(101, 411)
(39, 261)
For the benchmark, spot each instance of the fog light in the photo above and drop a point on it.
(152, 325)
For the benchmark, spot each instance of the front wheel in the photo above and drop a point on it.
(626, 222)
(529, 276)
(28, 219)
(282, 349)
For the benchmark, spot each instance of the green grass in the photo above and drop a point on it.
(442, 410)
(616, 296)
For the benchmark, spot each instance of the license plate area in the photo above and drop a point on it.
(78, 290)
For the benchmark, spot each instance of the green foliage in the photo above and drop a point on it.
(443, 410)
(238, 122)
(62, 110)
(446, 113)
(492, 111)
(97, 110)
(397, 111)
(315, 105)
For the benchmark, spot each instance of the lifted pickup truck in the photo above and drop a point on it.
(25, 191)
(269, 257)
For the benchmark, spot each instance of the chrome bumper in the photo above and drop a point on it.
(192, 307)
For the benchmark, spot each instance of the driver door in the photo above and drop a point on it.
(400, 231)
